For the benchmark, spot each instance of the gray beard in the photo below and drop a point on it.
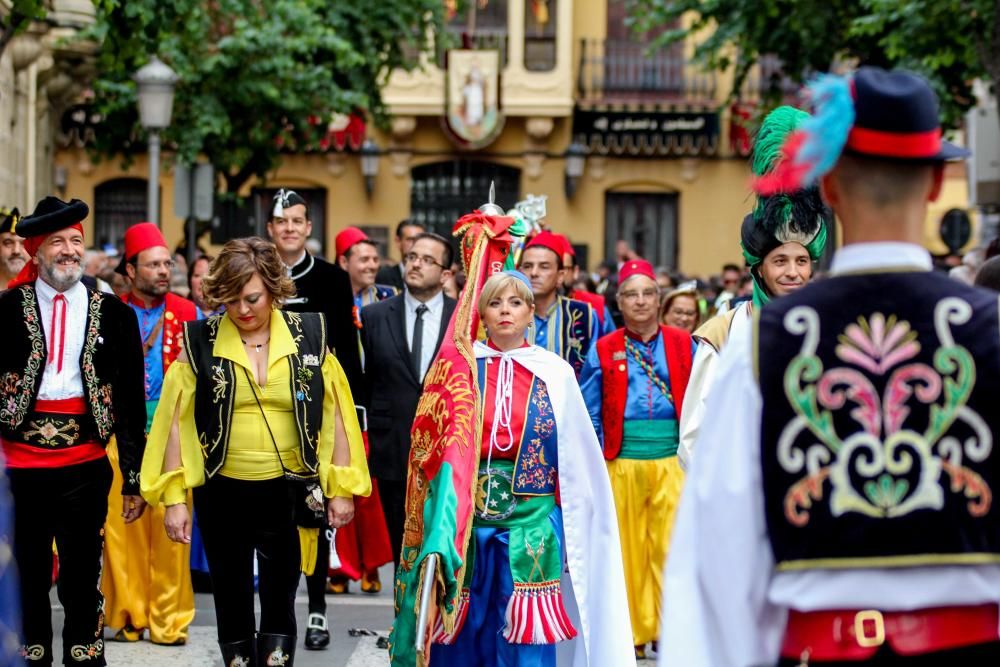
(9, 266)
(60, 279)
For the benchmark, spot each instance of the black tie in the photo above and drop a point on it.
(418, 340)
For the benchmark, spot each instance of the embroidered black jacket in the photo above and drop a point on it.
(111, 366)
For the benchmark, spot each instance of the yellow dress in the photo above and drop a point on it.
(250, 455)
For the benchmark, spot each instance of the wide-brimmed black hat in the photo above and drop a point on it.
(8, 219)
(51, 215)
(897, 117)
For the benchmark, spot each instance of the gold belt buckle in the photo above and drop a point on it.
(861, 636)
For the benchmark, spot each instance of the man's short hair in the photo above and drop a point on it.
(449, 252)
(347, 253)
(731, 267)
(882, 182)
(406, 222)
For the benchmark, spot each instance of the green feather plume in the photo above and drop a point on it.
(771, 136)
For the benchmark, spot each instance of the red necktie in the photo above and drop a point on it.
(58, 334)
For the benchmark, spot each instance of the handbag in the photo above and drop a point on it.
(308, 502)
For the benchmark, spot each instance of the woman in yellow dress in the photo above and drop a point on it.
(257, 418)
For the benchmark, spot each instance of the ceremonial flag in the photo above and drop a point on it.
(444, 454)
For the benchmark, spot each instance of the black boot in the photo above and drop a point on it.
(275, 650)
(239, 654)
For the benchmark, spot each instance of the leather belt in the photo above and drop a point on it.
(858, 634)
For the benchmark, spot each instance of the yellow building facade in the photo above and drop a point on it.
(664, 166)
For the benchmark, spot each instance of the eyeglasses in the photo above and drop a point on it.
(167, 264)
(425, 260)
(632, 295)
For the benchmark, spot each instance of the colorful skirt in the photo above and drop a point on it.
(511, 609)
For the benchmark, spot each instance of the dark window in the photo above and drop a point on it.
(477, 28)
(118, 204)
(380, 235)
(263, 203)
(540, 35)
(646, 221)
(443, 192)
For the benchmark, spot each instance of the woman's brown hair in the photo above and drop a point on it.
(239, 260)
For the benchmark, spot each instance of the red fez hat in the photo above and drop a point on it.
(635, 267)
(142, 236)
(348, 238)
(550, 241)
(568, 254)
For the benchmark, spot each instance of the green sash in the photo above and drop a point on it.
(649, 439)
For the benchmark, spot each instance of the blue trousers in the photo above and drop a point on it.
(481, 640)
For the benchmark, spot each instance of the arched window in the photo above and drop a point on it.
(442, 192)
(118, 204)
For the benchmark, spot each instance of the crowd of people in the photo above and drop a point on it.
(766, 467)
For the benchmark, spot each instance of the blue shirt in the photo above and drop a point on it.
(148, 317)
(645, 400)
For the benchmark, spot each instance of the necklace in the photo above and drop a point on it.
(257, 346)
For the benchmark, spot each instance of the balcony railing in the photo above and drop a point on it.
(620, 71)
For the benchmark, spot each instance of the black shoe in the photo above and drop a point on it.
(317, 633)
(275, 650)
(239, 654)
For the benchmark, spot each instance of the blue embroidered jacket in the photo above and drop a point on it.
(570, 329)
(537, 459)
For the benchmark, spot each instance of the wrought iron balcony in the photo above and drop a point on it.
(622, 71)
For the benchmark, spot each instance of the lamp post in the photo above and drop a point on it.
(576, 160)
(369, 164)
(156, 82)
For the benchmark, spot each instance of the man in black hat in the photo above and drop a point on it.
(12, 255)
(853, 520)
(320, 287)
(71, 377)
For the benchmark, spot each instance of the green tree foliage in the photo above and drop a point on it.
(20, 16)
(951, 42)
(256, 77)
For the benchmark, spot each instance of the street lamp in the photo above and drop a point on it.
(576, 160)
(156, 82)
(369, 164)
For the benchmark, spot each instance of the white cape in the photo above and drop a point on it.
(594, 592)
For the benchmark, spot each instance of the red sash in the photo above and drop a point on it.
(23, 455)
(614, 379)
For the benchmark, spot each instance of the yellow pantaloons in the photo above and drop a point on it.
(646, 496)
(147, 577)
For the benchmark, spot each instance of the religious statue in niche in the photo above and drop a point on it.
(473, 118)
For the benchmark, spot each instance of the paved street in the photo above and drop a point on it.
(353, 611)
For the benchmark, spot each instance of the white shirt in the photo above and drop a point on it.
(431, 323)
(69, 383)
(723, 603)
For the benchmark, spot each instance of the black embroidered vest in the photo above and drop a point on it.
(880, 414)
(216, 384)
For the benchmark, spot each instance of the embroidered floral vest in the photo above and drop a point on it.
(216, 383)
(535, 465)
(880, 413)
(569, 334)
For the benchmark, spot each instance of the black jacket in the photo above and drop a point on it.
(111, 366)
(325, 288)
(392, 387)
(390, 275)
